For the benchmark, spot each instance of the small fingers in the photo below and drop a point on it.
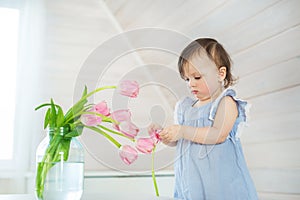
(163, 133)
(165, 136)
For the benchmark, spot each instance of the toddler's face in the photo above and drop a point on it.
(201, 73)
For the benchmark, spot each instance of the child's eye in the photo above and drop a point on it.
(198, 77)
(187, 79)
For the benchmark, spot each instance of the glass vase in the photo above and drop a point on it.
(60, 167)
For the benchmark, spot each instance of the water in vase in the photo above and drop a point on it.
(64, 181)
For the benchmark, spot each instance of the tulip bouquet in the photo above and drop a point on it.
(95, 117)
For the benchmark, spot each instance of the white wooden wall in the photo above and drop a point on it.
(263, 38)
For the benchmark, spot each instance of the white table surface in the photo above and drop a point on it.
(98, 196)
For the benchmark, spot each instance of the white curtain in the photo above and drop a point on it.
(13, 176)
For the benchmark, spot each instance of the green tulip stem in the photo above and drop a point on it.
(98, 90)
(153, 173)
(115, 142)
(115, 132)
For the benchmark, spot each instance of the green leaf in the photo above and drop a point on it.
(62, 150)
(78, 107)
(60, 117)
(72, 134)
(47, 118)
(53, 115)
(84, 92)
(76, 132)
(65, 148)
(42, 105)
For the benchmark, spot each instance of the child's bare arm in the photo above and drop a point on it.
(224, 120)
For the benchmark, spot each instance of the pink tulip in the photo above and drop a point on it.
(91, 119)
(121, 115)
(129, 88)
(128, 129)
(124, 123)
(102, 108)
(145, 145)
(128, 154)
(154, 135)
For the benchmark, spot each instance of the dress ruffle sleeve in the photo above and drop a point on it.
(178, 112)
(180, 108)
(243, 110)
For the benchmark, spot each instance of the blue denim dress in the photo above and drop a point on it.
(211, 172)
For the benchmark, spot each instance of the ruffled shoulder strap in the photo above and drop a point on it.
(242, 105)
(179, 109)
(243, 110)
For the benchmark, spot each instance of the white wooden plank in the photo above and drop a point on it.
(273, 128)
(91, 33)
(274, 78)
(130, 11)
(76, 9)
(274, 50)
(280, 181)
(68, 55)
(156, 12)
(78, 28)
(188, 14)
(285, 101)
(224, 19)
(272, 21)
(279, 154)
(164, 14)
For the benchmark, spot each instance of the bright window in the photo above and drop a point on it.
(9, 26)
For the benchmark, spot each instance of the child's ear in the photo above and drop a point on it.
(222, 73)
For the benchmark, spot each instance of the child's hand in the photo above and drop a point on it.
(171, 134)
(154, 130)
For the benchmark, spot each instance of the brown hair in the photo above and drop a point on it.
(215, 52)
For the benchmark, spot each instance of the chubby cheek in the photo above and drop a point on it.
(204, 88)
(212, 85)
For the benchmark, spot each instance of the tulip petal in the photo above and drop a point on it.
(102, 108)
(129, 129)
(145, 145)
(121, 115)
(128, 154)
(90, 119)
(129, 88)
(154, 134)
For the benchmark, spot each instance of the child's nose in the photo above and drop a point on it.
(191, 83)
